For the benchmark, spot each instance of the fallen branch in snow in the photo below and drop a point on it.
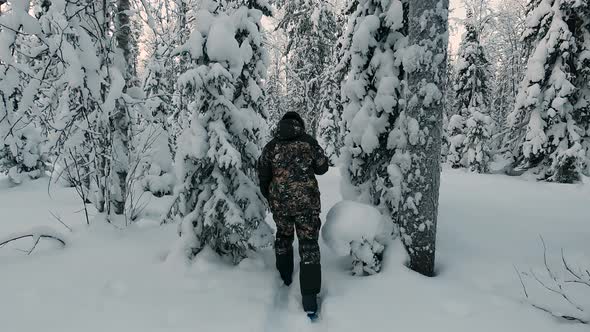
(36, 233)
(517, 167)
(61, 221)
(560, 285)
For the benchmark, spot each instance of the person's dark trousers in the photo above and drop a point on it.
(284, 262)
(310, 275)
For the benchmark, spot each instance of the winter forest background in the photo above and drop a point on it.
(140, 103)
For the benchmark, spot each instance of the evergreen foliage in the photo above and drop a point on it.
(552, 108)
(470, 126)
(220, 202)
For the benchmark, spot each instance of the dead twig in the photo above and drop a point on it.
(518, 273)
(558, 286)
(61, 221)
(37, 238)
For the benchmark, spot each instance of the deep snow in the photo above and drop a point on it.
(108, 279)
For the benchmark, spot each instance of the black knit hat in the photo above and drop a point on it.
(294, 116)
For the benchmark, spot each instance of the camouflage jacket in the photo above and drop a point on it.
(287, 169)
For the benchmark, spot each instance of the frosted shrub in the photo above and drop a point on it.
(562, 291)
(361, 231)
(367, 256)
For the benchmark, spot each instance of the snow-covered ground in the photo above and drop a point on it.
(108, 279)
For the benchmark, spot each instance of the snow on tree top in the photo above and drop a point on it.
(222, 45)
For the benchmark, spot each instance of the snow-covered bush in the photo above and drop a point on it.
(563, 291)
(90, 123)
(367, 256)
(455, 129)
(24, 156)
(358, 230)
(158, 170)
(22, 143)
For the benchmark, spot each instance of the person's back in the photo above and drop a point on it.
(287, 170)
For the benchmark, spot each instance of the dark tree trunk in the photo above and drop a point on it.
(428, 34)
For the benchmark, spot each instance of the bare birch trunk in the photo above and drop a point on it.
(120, 120)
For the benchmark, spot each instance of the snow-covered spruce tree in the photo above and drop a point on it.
(331, 113)
(470, 125)
(421, 126)
(311, 31)
(330, 125)
(372, 99)
(550, 119)
(22, 141)
(220, 202)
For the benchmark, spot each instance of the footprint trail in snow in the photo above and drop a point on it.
(277, 316)
(284, 315)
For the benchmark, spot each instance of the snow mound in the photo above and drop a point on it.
(350, 221)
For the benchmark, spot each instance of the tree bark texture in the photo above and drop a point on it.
(425, 64)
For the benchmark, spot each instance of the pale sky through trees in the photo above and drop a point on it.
(457, 12)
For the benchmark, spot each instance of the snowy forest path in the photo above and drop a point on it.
(276, 316)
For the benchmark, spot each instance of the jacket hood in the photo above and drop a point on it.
(294, 116)
(289, 129)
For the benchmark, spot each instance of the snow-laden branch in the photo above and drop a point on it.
(559, 292)
(36, 233)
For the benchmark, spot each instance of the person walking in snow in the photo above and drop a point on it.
(286, 170)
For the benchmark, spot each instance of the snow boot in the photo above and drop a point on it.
(310, 277)
(310, 303)
(284, 264)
